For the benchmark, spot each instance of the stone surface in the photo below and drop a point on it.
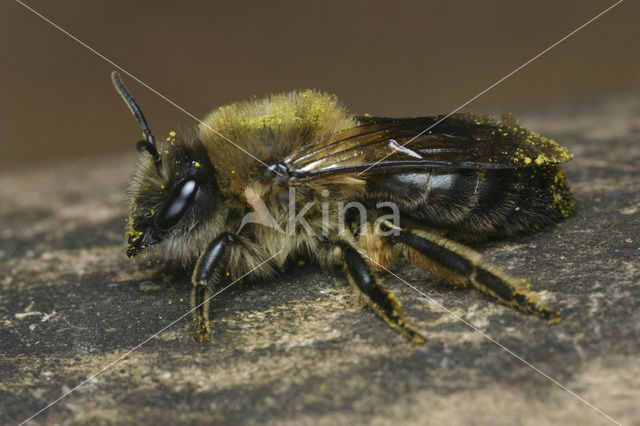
(301, 349)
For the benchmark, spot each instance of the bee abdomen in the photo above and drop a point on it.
(478, 204)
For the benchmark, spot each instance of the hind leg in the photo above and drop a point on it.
(458, 264)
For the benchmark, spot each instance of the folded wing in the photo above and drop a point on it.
(393, 145)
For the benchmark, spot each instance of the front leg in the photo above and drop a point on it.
(210, 270)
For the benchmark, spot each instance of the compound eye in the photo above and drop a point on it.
(177, 204)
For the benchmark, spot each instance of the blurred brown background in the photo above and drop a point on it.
(407, 58)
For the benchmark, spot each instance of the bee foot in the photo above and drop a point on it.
(203, 331)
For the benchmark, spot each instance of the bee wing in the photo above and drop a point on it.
(461, 141)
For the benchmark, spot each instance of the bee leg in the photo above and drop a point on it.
(383, 302)
(208, 273)
(458, 264)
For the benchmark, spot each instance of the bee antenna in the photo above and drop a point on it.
(149, 144)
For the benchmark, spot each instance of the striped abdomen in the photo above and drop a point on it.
(476, 204)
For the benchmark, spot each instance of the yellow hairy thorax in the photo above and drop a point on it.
(269, 129)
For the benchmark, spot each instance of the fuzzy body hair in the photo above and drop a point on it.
(270, 129)
(231, 152)
(295, 154)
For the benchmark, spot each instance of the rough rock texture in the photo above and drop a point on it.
(301, 349)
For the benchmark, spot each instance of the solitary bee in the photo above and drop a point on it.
(220, 198)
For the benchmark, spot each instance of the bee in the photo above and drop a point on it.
(219, 198)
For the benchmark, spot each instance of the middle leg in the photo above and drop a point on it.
(383, 302)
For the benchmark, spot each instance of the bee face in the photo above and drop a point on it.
(169, 201)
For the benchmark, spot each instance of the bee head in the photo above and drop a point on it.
(173, 200)
(173, 193)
